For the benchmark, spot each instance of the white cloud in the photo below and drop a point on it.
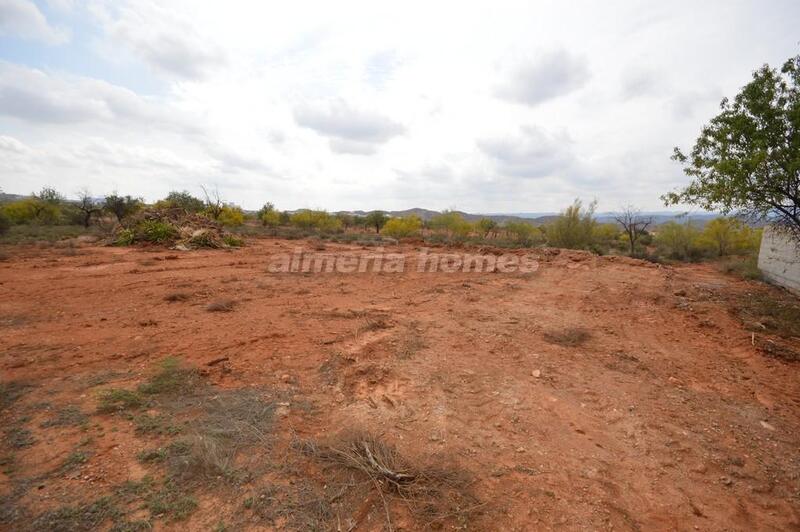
(21, 18)
(350, 129)
(551, 75)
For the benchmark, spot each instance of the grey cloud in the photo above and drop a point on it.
(551, 75)
(532, 153)
(639, 82)
(21, 18)
(350, 130)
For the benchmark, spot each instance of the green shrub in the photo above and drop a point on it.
(231, 216)
(402, 227)
(315, 219)
(452, 223)
(233, 241)
(524, 233)
(573, 228)
(5, 223)
(125, 237)
(155, 231)
(678, 241)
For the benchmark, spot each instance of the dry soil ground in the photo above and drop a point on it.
(596, 393)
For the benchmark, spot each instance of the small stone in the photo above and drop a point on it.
(536, 373)
(767, 425)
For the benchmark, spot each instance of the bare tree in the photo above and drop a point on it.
(633, 223)
(88, 206)
(214, 203)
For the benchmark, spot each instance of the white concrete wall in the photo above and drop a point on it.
(779, 259)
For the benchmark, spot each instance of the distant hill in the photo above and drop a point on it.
(541, 218)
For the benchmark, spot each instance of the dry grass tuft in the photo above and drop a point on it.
(569, 337)
(221, 305)
(431, 493)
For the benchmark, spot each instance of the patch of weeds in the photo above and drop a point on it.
(569, 337)
(301, 508)
(171, 502)
(177, 296)
(18, 438)
(775, 313)
(158, 424)
(221, 305)
(68, 416)
(131, 490)
(72, 518)
(132, 526)
(746, 268)
(7, 465)
(233, 241)
(74, 460)
(125, 237)
(10, 392)
(172, 378)
(118, 400)
(161, 454)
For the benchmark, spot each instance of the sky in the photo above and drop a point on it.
(490, 107)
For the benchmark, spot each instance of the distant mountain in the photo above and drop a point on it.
(541, 218)
(5, 198)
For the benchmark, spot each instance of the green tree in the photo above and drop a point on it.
(376, 219)
(747, 159)
(573, 228)
(678, 241)
(268, 215)
(230, 215)
(182, 200)
(5, 223)
(486, 226)
(452, 222)
(122, 206)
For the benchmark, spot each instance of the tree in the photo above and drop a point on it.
(573, 228)
(747, 159)
(214, 204)
(87, 206)
(678, 241)
(486, 226)
(46, 205)
(182, 200)
(452, 222)
(633, 224)
(268, 215)
(121, 206)
(376, 219)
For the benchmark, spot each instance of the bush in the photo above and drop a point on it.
(746, 268)
(233, 241)
(156, 231)
(451, 222)
(314, 219)
(231, 216)
(5, 223)
(678, 241)
(402, 227)
(125, 237)
(573, 228)
(524, 233)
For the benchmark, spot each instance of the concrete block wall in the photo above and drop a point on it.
(779, 259)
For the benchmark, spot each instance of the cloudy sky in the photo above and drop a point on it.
(483, 106)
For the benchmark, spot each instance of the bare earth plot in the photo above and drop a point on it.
(596, 393)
